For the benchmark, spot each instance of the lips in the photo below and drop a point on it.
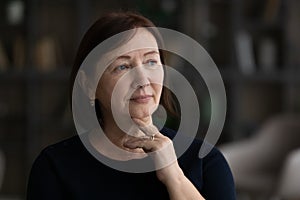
(141, 98)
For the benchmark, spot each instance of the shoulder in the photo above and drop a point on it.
(69, 144)
(52, 167)
(60, 153)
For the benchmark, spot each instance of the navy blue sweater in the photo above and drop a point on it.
(66, 170)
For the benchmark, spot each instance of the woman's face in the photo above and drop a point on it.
(134, 79)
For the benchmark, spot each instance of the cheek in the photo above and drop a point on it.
(157, 76)
(158, 90)
(157, 81)
(119, 95)
(120, 89)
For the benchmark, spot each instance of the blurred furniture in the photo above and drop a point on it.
(290, 179)
(33, 103)
(256, 163)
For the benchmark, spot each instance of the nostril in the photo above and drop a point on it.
(140, 85)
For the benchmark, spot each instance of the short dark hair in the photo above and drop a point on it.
(107, 26)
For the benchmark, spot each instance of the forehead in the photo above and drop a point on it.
(141, 40)
(140, 52)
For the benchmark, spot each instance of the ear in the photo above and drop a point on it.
(85, 84)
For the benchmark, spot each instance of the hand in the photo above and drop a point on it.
(160, 148)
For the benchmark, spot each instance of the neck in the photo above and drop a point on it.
(106, 147)
(112, 145)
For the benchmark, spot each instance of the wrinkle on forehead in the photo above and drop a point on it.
(142, 39)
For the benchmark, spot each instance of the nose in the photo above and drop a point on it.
(141, 78)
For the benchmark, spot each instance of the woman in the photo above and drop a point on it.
(130, 85)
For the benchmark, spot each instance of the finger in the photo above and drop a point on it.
(159, 135)
(146, 144)
(146, 126)
(136, 132)
(161, 151)
(145, 122)
(149, 130)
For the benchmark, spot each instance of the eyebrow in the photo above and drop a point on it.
(151, 52)
(145, 54)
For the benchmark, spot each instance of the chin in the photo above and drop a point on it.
(139, 115)
(142, 111)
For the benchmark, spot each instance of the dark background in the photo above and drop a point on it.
(254, 43)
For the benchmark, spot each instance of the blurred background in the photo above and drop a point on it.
(254, 43)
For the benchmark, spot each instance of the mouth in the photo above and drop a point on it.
(141, 98)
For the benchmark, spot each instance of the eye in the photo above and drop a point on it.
(151, 62)
(121, 67)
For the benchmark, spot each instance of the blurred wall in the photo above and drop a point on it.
(254, 43)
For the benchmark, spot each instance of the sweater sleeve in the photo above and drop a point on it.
(43, 183)
(218, 181)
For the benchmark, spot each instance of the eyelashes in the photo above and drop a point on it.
(122, 67)
(126, 66)
(151, 62)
